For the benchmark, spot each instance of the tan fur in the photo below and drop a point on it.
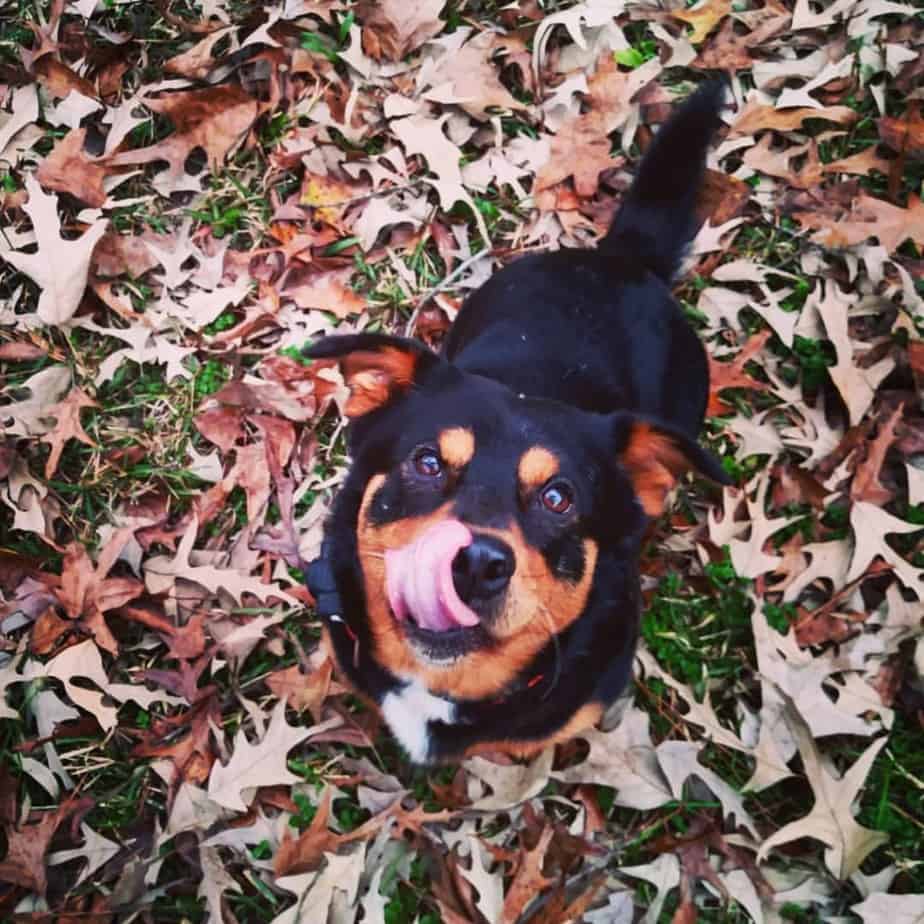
(457, 446)
(586, 717)
(537, 465)
(539, 605)
(654, 464)
(374, 375)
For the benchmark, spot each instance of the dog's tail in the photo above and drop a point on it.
(657, 217)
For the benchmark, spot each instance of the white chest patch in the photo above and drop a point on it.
(407, 712)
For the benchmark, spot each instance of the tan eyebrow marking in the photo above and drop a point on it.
(457, 446)
(537, 466)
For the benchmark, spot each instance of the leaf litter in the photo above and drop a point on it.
(181, 216)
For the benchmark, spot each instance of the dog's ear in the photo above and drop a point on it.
(376, 368)
(655, 456)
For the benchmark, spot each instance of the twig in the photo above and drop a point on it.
(441, 286)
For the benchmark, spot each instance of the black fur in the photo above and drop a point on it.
(566, 349)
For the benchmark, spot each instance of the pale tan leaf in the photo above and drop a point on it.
(678, 760)
(663, 874)
(59, 267)
(870, 526)
(831, 819)
(896, 909)
(624, 759)
(259, 764)
(510, 784)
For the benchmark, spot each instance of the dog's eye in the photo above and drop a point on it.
(558, 498)
(427, 462)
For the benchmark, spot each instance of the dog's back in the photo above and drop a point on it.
(599, 329)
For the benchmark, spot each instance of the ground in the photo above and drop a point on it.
(190, 194)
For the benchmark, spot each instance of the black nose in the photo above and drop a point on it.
(482, 569)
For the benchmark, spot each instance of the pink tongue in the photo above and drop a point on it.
(418, 578)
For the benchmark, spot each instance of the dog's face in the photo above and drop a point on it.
(481, 515)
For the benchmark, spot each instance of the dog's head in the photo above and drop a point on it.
(480, 517)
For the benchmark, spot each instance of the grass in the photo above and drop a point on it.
(698, 619)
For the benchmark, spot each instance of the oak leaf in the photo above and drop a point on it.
(59, 267)
(69, 168)
(831, 819)
(755, 117)
(67, 426)
(215, 119)
(528, 880)
(870, 526)
(392, 28)
(625, 759)
(904, 134)
(24, 863)
(260, 764)
(703, 17)
(896, 909)
(581, 149)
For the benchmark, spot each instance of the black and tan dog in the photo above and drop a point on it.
(479, 578)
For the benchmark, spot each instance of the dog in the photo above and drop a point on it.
(478, 579)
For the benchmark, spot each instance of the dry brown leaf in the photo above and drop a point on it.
(328, 291)
(756, 117)
(865, 217)
(867, 481)
(392, 28)
(625, 759)
(733, 374)
(67, 426)
(222, 425)
(59, 267)
(721, 198)
(24, 863)
(475, 79)
(703, 17)
(215, 119)
(68, 168)
(528, 880)
(904, 134)
(581, 150)
(305, 691)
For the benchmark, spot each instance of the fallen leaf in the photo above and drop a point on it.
(866, 217)
(755, 117)
(904, 134)
(581, 150)
(528, 881)
(625, 759)
(703, 17)
(870, 525)
(328, 291)
(67, 426)
(263, 763)
(475, 79)
(867, 481)
(68, 168)
(215, 120)
(831, 819)
(392, 28)
(26, 846)
(733, 375)
(896, 909)
(59, 267)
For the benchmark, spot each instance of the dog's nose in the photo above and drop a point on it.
(483, 568)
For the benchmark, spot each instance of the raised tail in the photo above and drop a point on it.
(657, 218)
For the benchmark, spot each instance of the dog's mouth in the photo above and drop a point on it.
(423, 596)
